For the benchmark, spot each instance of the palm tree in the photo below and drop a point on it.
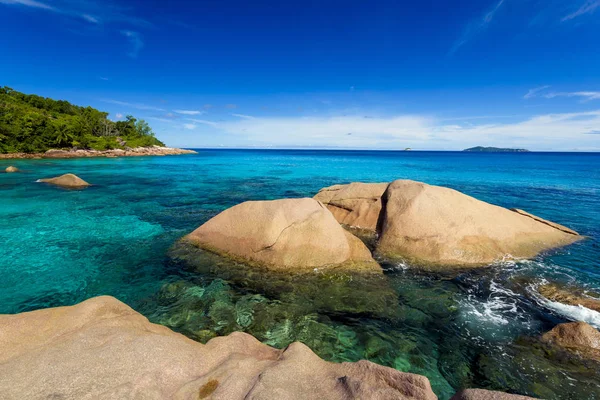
(63, 135)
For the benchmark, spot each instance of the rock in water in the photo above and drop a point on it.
(102, 349)
(67, 181)
(440, 226)
(576, 337)
(570, 296)
(12, 169)
(284, 235)
(356, 204)
(481, 394)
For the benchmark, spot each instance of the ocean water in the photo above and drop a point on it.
(475, 329)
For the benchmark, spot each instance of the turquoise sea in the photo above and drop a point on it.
(474, 329)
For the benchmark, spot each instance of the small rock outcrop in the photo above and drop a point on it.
(11, 169)
(482, 394)
(441, 227)
(576, 337)
(356, 204)
(283, 235)
(570, 297)
(67, 181)
(102, 349)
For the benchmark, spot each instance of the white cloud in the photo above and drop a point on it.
(534, 92)
(119, 115)
(588, 7)
(29, 3)
(544, 132)
(90, 18)
(203, 121)
(135, 39)
(189, 126)
(138, 106)
(243, 116)
(476, 27)
(586, 96)
(189, 112)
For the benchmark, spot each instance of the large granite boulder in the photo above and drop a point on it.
(356, 204)
(102, 349)
(435, 225)
(283, 235)
(576, 337)
(67, 181)
(11, 169)
(482, 394)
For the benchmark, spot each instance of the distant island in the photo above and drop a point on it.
(35, 124)
(481, 149)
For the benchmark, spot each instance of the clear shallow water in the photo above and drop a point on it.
(60, 247)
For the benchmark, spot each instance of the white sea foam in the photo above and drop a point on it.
(573, 313)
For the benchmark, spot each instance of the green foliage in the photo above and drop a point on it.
(32, 124)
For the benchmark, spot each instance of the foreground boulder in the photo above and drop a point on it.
(67, 181)
(576, 337)
(102, 349)
(482, 394)
(356, 204)
(283, 235)
(11, 169)
(573, 297)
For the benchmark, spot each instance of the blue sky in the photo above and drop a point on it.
(431, 74)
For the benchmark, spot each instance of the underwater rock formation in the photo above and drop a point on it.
(284, 235)
(101, 348)
(67, 181)
(438, 226)
(482, 394)
(11, 169)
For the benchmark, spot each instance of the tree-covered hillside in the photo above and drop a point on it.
(31, 124)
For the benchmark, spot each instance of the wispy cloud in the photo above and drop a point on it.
(29, 3)
(587, 8)
(243, 116)
(89, 11)
(90, 18)
(138, 106)
(103, 78)
(203, 121)
(135, 39)
(476, 27)
(189, 112)
(586, 96)
(189, 126)
(535, 91)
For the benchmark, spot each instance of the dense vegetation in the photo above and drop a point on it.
(31, 124)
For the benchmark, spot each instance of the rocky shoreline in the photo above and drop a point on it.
(80, 153)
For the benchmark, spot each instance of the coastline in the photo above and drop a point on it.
(113, 153)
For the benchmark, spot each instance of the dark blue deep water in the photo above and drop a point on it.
(475, 329)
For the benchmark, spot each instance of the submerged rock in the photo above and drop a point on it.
(284, 235)
(11, 169)
(576, 337)
(101, 348)
(482, 394)
(67, 181)
(572, 297)
(356, 204)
